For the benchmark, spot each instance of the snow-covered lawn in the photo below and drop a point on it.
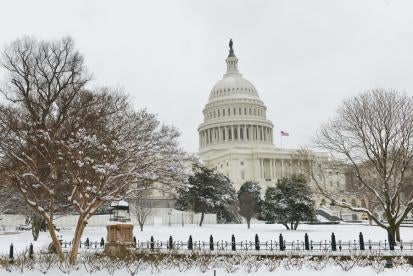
(266, 232)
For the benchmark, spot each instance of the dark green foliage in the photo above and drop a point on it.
(289, 202)
(209, 192)
(249, 201)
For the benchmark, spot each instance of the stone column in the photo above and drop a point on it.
(282, 168)
(244, 129)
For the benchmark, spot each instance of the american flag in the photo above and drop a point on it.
(284, 133)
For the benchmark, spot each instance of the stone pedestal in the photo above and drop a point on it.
(119, 239)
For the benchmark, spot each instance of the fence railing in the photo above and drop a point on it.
(281, 245)
(265, 247)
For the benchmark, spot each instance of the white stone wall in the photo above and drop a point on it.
(160, 216)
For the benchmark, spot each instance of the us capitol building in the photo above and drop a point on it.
(237, 139)
(236, 136)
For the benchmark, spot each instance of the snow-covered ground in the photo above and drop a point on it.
(266, 232)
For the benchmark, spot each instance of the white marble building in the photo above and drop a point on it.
(237, 138)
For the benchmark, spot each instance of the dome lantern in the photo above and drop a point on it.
(232, 61)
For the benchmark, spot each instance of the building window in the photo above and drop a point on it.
(242, 175)
(242, 163)
(235, 111)
(223, 112)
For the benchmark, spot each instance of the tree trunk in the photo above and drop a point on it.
(202, 218)
(141, 226)
(286, 226)
(296, 225)
(35, 232)
(248, 222)
(56, 242)
(76, 240)
(370, 220)
(398, 233)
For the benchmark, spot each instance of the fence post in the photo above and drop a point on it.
(361, 241)
(281, 240)
(11, 255)
(102, 242)
(190, 246)
(233, 246)
(171, 245)
(134, 241)
(152, 245)
(306, 243)
(333, 242)
(257, 242)
(31, 251)
(211, 243)
(87, 242)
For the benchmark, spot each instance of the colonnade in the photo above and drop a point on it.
(231, 133)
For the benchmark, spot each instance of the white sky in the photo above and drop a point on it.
(304, 57)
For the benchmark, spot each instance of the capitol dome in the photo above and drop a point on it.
(234, 114)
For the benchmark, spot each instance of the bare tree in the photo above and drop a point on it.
(43, 78)
(142, 210)
(373, 135)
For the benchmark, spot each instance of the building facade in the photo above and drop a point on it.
(237, 139)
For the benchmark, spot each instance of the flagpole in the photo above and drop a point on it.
(281, 140)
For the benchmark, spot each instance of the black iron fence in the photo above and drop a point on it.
(279, 245)
(257, 246)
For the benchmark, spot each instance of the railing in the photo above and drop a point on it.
(272, 246)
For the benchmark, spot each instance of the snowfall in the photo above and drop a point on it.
(266, 232)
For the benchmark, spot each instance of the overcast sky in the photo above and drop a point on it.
(304, 57)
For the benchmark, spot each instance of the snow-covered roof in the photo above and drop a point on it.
(120, 203)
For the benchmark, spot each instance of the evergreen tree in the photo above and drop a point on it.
(249, 200)
(289, 202)
(209, 192)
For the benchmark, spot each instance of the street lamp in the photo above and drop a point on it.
(170, 213)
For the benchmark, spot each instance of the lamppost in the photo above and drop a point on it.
(170, 213)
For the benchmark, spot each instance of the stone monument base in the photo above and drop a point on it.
(119, 239)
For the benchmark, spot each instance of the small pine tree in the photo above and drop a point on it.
(249, 200)
(209, 192)
(289, 202)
